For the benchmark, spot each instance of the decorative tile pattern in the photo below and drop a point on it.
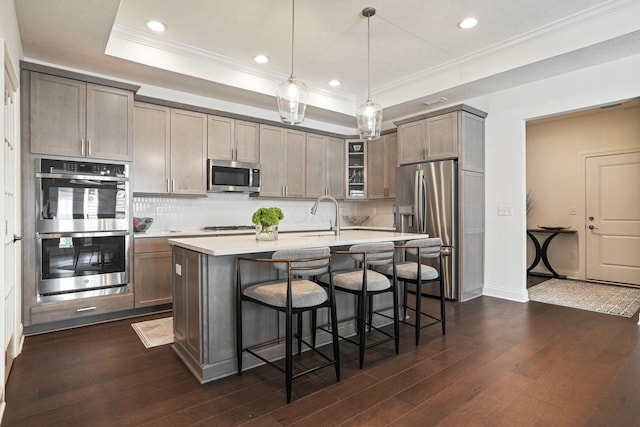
(617, 300)
(156, 332)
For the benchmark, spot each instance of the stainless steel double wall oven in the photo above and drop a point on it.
(83, 229)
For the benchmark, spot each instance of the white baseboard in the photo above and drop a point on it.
(504, 293)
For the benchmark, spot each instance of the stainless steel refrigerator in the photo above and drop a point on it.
(426, 202)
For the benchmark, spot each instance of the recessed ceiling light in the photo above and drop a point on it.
(467, 23)
(156, 26)
(261, 59)
(335, 83)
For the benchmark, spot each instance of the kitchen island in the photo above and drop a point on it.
(204, 277)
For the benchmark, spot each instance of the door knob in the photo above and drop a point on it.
(592, 227)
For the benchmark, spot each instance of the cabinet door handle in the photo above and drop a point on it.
(82, 147)
(173, 185)
(88, 148)
(83, 309)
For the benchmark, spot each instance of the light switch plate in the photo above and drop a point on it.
(505, 210)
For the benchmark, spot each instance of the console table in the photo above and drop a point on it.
(541, 251)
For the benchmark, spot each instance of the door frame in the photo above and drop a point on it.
(582, 202)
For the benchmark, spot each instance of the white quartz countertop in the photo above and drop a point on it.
(247, 244)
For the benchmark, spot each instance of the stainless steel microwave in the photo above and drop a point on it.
(232, 176)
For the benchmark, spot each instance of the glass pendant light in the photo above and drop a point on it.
(369, 114)
(292, 93)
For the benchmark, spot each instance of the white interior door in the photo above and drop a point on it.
(10, 324)
(613, 218)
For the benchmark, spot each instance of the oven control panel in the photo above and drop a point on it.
(71, 167)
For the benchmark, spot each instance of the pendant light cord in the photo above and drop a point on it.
(293, 19)
(368, 58)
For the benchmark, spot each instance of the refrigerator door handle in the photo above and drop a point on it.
(416, 201)
(420, 199)
(423, 204)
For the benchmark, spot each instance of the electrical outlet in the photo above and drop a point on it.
(158, 210)
(572, 211)
(573, 255)
(505, 210)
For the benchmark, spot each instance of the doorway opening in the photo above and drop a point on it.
(560, 150)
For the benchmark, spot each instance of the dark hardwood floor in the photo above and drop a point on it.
(501, 363)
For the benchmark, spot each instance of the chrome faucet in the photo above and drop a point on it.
(336, 225)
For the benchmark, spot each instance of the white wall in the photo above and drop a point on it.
(508, 110)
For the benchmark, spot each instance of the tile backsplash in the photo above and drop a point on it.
(188, 214)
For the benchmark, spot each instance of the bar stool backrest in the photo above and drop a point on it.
(429, 248)
(376, 253)
(303, 262)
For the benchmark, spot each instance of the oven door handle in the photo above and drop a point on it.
(82, 177)
(81, 234)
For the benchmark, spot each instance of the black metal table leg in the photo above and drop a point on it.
(541, 254)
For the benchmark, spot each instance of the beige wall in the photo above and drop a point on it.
(555, 152)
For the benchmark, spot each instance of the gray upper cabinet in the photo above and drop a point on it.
(73, 118)
(188, 152)
(382, 160)
(283, 159)
(151, 148)
(433, 138)
(324, 166)
(169, 151)
(230, 139)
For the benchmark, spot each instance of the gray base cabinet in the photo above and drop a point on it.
(190, 302)
(152, 272)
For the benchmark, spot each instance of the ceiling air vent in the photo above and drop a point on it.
(435, 100)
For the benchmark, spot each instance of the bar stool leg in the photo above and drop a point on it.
(418, 310)
(361, 327)
(334, 334)
(405, 292)
(442, 306)
(239, 331)
(314, 323)
(299, 330)
(396, 322)
(370, 311)
(288, 355)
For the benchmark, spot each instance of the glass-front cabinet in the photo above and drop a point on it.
(356, 169)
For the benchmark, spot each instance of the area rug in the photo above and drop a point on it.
(156, 332)
(616, 300)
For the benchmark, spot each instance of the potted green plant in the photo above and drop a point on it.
(266, 221)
